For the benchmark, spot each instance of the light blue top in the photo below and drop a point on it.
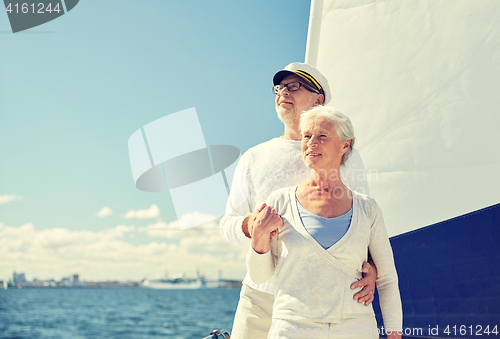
(325, 231)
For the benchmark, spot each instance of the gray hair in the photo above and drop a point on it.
(342, 123)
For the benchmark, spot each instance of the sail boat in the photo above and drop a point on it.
(420, 80)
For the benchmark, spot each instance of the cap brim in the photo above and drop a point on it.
(279, 76)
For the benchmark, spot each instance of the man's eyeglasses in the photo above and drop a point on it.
(292, 87)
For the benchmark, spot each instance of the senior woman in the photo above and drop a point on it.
(317, 247)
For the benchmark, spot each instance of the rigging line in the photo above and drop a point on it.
(350, 6)
(495, 258)
(431, 93)
(325, 13)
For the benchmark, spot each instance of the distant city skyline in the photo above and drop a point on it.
(178, 281)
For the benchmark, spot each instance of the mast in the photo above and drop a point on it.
(314, 32)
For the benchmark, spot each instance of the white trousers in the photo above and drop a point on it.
(359, 328)
(253, 315)
(253, 320)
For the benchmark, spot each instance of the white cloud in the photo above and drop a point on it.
(203, 223)
(112, 254)
(104, 212)
(5, 198)
(151, 212)
(197, 219)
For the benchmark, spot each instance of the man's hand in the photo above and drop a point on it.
(247, 226)
(368, 284)
(394, 335)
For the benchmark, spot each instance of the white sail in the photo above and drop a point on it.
(420, 80)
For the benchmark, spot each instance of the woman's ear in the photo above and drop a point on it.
(346, 145)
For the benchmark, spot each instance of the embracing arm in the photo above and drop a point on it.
(238, 208)
(368, 282)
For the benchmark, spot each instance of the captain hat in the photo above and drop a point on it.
(311, 75)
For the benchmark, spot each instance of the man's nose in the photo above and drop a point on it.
(284, 91)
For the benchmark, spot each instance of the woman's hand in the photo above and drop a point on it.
(247, 225)
(264, 228)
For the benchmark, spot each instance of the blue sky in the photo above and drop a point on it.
(72, 91)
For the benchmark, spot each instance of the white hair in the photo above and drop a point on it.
(341, 122)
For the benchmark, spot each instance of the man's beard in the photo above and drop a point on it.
(291, 117)
(288, 117)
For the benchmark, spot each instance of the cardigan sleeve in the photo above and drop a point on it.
(261, 267)
(387, 279)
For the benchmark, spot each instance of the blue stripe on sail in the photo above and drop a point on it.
(449, 275)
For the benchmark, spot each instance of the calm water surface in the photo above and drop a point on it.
(115, 313)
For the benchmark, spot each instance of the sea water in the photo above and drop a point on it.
(115, 313)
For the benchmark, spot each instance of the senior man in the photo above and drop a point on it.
(272, 165)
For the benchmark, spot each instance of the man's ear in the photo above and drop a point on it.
(320, 99)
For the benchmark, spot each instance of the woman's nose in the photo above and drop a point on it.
(312, 142)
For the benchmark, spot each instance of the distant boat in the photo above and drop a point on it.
(175, 284)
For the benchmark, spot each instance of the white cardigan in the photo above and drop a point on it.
(269, 166)
(313, 283)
